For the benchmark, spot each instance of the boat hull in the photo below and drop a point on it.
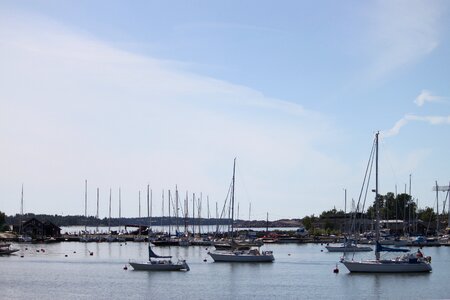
(348, 249)
(236, 257)
(149, 266)
(386, 266)
(8, 251)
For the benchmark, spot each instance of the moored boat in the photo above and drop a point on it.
(159, 263)
(236, 253)
(408, 263)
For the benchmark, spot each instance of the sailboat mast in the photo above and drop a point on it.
(109, 220)
(85, 206)
(98, 197)
(437, 208)
(120, 210)
(377, 204)
(232, 199)
(21, 211)
(193, 214)
(170, 221)
(139, 204)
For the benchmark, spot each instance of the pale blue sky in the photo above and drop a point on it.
(168, 93)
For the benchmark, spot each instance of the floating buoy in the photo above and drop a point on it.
(91, 253)
(289, 254)
(321, 250)
(74, 251)
(206, 248)
(205, 260)
(125, 267)
(21, 256)
(336, 270)
(37, 250)
(26, 248)
(66, 255)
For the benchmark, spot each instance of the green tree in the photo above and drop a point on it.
(427, 215)
(401, 207)
(308, 222)
(2, 221)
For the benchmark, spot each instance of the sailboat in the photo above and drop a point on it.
(408, 263)
(237, 254)
(159, 263)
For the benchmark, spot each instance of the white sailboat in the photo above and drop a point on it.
(236, 254)
(159, 263)
(407, 263)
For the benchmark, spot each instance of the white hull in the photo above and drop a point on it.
(348, 249)
(386, 266)
(239, 256)
(157, 266)
(8, 251)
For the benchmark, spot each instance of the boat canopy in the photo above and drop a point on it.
(152, 254)
(381, 248)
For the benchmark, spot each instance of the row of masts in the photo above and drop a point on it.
(174, 205)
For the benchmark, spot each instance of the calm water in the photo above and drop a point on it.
(299, 272)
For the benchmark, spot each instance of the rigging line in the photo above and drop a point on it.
(224, 206)
(369, 163)
(389, 159)
(242, 182)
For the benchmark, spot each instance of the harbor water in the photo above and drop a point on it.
(66, 270)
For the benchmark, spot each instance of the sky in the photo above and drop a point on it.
(168, 93)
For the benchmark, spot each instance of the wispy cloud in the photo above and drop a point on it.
(427, 96)
(432, 120)
(73, 107)
(402, 33)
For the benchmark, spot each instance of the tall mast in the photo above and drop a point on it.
(448, 199)
(176, 208)
(193, 214)
(209, 216)
(109, 221)
(232, 199)
(139, 204)
(148, 207)
(169, 215)
(96, 216)
(120, 209)
(139, 213)
(162, 210)
(21, 201)
(21, 211)
(345, 211)
(199, 213)
(186, 212)
(85, 206)
(377, 204)
(437, 208)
